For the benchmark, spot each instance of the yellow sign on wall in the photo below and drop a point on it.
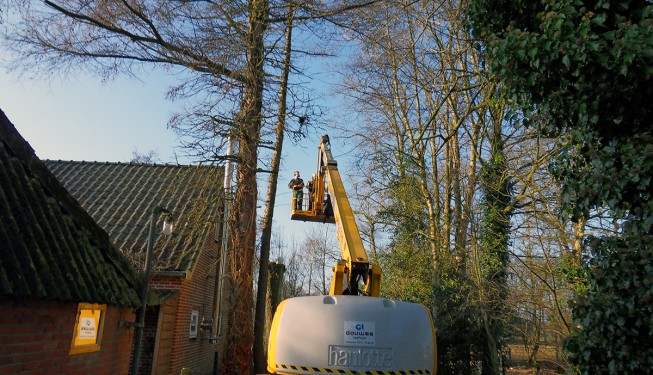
(88, 328)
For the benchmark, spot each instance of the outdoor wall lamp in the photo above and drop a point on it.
(140, 325)
(167, 222)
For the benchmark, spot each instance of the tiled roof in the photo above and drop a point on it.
(120, 197)
(50, 248)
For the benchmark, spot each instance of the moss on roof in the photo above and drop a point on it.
(50, 247)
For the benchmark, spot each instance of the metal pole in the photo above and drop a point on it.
(146, 281)
(227, 186)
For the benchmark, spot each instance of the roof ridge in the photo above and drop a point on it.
(126, 163)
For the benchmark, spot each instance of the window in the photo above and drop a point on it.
(89, 324)
(194, 322)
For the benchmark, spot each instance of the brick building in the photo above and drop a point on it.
(66, 292)
(184, 323)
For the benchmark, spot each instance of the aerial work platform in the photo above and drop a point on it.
(352, 330)
(311, 215)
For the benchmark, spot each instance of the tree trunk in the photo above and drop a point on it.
(491, 362)
(240, 339)
(275, 282)
(272, 298)
(495, 235)
(260, 326)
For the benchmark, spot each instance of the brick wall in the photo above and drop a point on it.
(197, 293)
(35, 338)
(174, 349)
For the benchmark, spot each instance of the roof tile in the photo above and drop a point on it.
(121, 196)
(50, 247)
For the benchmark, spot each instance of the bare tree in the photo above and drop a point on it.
(221, 46)
(429, 113)
(321, 251)
(294, 284)
(226, 56)
(260, 321)
(144, 157)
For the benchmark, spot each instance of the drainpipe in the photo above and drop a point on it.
(228, 197)
(140, 325)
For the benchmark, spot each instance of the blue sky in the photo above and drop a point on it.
(80, 118)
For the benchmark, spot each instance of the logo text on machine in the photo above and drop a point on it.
(359, 333)
(349, 356)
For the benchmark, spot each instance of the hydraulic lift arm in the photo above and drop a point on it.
(352, 330)
(329, 203)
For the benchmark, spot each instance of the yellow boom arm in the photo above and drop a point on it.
(352, 330)
(328, 203)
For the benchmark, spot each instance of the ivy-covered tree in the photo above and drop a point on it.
(582, 71)
(495, 235)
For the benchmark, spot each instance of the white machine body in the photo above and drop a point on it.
(344, 334)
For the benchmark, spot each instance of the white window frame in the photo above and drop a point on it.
(194, 324)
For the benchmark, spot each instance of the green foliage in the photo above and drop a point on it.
(617, 175)
(575, 273)
(614, 318)
(460, 337)
(494, 240)
(407, 273)
(572, 62)
(582, 71)
(495, 232)
(407, 264)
